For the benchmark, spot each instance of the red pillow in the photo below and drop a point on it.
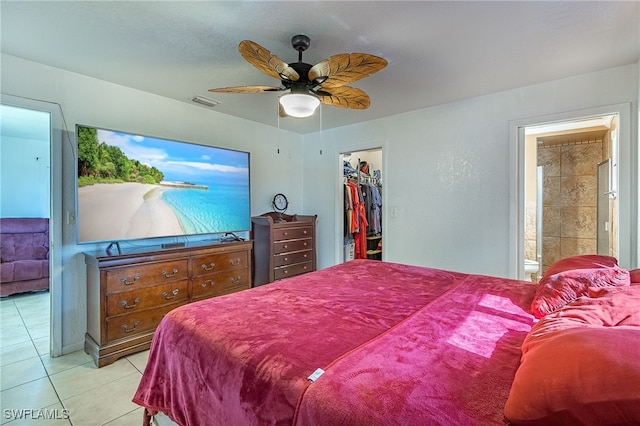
(581, 365)
(584, 375)
(570, 278)
(584, 261)
(635, 276)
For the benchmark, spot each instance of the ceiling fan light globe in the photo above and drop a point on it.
(299, 105)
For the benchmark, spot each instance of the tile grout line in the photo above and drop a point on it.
(21, 316)
(44, 367)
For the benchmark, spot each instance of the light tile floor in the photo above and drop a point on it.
(66, 390)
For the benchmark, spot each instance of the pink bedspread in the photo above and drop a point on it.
(399, 345)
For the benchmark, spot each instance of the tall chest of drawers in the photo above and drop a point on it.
(284, 246)
(130, 292)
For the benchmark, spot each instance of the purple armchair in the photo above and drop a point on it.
(24, 255)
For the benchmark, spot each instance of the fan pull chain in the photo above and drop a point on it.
(278, 134)
(321, 138)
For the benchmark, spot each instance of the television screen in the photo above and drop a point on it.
(134, 187)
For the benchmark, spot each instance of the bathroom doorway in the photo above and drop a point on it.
(570, 191)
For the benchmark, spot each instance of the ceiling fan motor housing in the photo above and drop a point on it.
(302, 69)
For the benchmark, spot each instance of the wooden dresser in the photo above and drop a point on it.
(129, 293)
(282, 249)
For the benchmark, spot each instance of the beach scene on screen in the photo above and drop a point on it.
(132, 187)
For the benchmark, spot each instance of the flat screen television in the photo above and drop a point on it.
(137, 187)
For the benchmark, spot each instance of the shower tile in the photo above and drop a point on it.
(579, 191)
(549, 157)
(530, 250)
(552, 222)
(579, 222)
(582, 159)
(530, 221)
(551, 191)
(551, 250)
(578, 246)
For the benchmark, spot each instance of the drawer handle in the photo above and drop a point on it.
(124, 280)
(305, 243)
(235, 280)
(208, 268)
(169, 296)
(170, 275)
(285, 246)
(285, 233)
(305, 255)
(126, 304)
(286, 259)
(126, 328)
(304, 232)
(235, 262)
(206, 283)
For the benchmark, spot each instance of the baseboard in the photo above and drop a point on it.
(74, 347)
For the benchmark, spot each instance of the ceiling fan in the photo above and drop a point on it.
(309, 85)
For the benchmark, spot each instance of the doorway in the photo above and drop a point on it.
(563, 205)
(31, 187)
(361, 174)
(621, 176)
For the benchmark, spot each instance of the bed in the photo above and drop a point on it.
(360, 343)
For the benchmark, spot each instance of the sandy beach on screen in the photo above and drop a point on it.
(123, 211)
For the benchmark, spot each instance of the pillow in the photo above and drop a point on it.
(584, 261)
(580, 364)
(570, 278)
(586, 376)
(635, 276)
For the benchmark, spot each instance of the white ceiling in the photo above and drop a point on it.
(438, 52)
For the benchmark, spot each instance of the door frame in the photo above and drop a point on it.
(55, 211)
(339, 195)
(627, 206)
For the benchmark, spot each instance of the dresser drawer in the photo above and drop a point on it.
(136, 322)
(292, 233)
(131, 301)
(220, 283)
(145, 275)
(219, 262)
(294, 245)
(292, 270)
(291, 258)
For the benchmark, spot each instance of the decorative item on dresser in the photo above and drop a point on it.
(128, 293)
(282, 249)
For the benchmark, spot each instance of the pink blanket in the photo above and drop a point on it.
(399, 345)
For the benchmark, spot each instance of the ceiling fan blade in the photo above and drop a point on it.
(247, 89)
(344, 97)
(345, 68)
(266, 62)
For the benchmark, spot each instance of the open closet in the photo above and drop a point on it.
(362, 201)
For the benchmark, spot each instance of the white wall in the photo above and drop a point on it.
(24, 164)
(448, 172)
(94, 102)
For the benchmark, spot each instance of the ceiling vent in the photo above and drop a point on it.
(205, 101)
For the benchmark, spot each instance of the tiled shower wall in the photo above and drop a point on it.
(570, 198)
